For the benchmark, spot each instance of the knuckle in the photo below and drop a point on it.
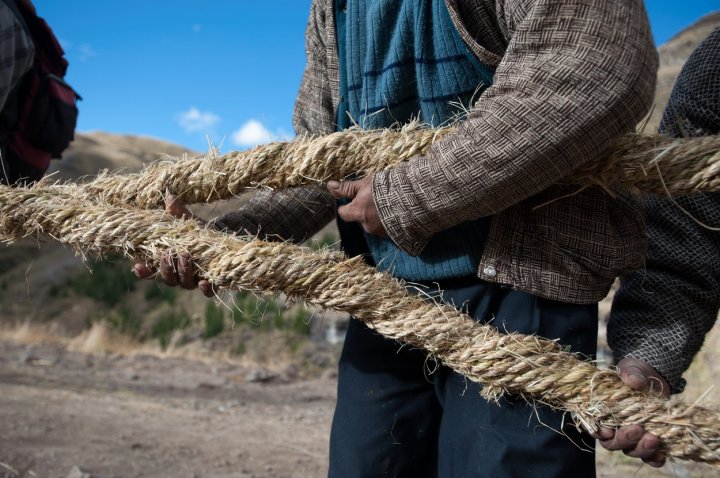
(610, 445)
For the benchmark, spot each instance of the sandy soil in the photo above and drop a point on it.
(148, 417)
(143, 416)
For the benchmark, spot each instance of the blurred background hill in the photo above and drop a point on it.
(91, 153)
(673, 55)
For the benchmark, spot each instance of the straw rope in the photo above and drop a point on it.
(651, 164)
(532, 367)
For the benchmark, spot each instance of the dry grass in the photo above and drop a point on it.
(275, 351)
(99, 339)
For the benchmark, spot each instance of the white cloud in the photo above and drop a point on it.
(194, 120)
(253, 132)
(86, 52)
(65, 44)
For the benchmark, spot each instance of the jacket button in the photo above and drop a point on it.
(490, 271)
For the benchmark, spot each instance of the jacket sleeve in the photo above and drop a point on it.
(296, 214)
(314, 112)
(289, 215)
(575, 75)
(16, 52)
(662, 313)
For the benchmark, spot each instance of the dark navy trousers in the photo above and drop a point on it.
(400, 414)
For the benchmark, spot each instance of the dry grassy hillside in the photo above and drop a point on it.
(32, 271)
(93, 152)
(673, 55)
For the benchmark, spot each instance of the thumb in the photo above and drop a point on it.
(175, 207)
(639, 375)
(634, 377)
(343, 189)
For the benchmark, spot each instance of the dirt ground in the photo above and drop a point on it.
(148, 417)
(116, 416)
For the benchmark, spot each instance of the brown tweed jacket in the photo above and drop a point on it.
(571, 76)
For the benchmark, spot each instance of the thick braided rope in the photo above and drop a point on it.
(302, 161)
(535, 368)
(648, 163)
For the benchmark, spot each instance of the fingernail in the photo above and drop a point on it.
(333, 184)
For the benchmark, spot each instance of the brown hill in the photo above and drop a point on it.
(673, 55)
(93, 152)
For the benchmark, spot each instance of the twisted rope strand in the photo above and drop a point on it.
(300, 162)
(535, 368)
(642, 162)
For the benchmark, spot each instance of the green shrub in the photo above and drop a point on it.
(161, 293)
(299, 322)
(214, 320)
(263, 314)
(110, 281)
(268, 314)
(125, 321)
(163, 328)
(57, 291)
(240, 348)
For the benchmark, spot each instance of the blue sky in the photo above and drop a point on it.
(186, 70)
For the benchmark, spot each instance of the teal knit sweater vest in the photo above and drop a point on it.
(400, 60)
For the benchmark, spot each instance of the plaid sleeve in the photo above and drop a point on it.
(288, 215)
(662, 313)
(16, 52)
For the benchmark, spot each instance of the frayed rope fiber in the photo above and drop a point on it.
(534, 368)
(651, 164)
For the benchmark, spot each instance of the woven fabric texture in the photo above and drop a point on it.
(571, 76)
(273, 216)
(662, 312)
